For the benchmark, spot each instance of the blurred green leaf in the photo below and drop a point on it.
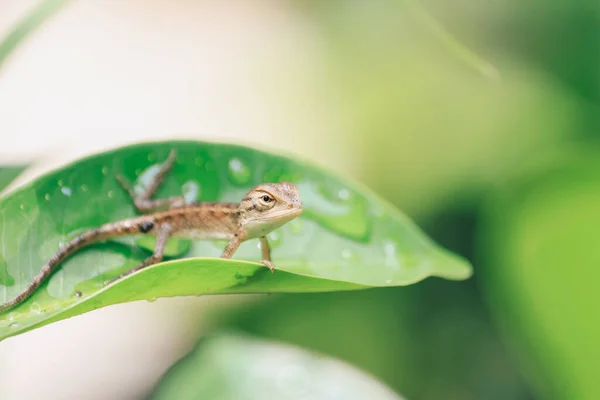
(228, 367)
(39, 14)
(440, 134)
(347, 238)
(461, 51)
(411, 338)
(539, 247)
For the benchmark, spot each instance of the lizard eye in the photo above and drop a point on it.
(267, 198)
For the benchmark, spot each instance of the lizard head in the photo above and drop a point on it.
(268, 206)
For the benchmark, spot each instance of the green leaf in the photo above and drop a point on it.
(539, 238)
(436, 29)
(8, 173)
(236, 367)
(347, 238)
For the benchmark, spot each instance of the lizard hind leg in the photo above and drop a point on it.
(162, 235)
(143, 202)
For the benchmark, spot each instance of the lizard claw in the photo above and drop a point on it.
(269, 265)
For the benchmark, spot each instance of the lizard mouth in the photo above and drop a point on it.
(285, 214)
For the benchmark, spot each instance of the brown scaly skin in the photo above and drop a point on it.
(265, 208)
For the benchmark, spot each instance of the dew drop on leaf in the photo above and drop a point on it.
(191, 191)
(344, 194)
(66, 191)
(47, 197)
(36, 308)
(13, 325)
(322, 205)
(389, 249)
(350, 256)
(378, 211)
(239, 173)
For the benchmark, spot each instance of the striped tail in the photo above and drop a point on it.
(123, 228)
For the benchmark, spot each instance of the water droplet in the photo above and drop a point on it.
(389, 248)
(104, 170)
(378, 211)
(36, 308)
(348, 218)
(191, 191)
(350, 256)
(344, 194)
(296, 226)
(78, 294)
(60, 182)
(110, 194)
(66, 191)
(47, 196)
(239, 173)
(13, 325)
(199, 161)
(12, 316)
(84, 188)
(22, 206)
(151, 157)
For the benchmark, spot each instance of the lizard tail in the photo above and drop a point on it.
(85, 239)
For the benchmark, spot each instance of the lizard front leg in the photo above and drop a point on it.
(266, 253)
(143, 202)
(232, 246)
(235, 242)
(162, 235)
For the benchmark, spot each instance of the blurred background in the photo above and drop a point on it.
(477, 119)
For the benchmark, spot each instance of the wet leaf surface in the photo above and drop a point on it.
(347, 238)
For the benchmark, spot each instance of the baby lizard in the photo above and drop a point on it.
(264, 208)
